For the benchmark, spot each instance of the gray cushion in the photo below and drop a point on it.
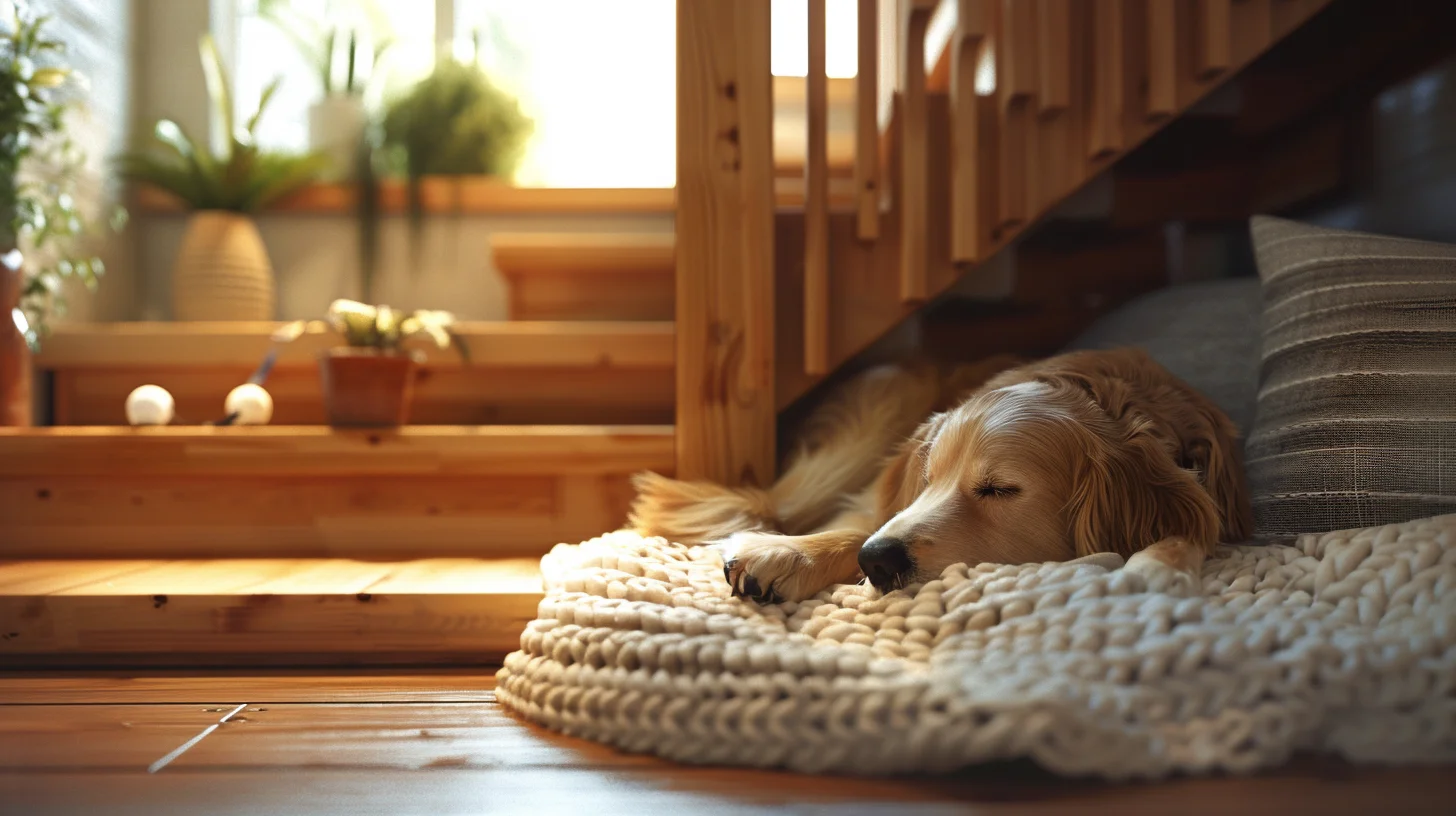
(1356, 421)
(1207, 334)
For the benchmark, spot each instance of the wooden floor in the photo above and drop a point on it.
(290, 743)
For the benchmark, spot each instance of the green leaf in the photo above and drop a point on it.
(263, 101)
(218, 86)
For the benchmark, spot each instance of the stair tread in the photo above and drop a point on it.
(313, 450)
(518, 254)
(496, 343)
(271, 611)
(269, 576)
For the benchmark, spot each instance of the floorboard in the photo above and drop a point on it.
(437, 743)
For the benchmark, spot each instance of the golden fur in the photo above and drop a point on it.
(1003, 461)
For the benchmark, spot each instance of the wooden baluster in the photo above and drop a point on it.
(967, 229)
(726, 414)
(1162, 59)
(1016, 85)
(914, 153)
(1252, 24)
(816, 201)
(1054, 48)
(867, 122)
(1214, 26)
(1105, 128)
(1058, 160)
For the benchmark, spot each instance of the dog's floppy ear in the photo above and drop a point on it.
(1216, 452)
(1130, 493)
(903, 477)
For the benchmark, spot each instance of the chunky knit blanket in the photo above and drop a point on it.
(1342, 643)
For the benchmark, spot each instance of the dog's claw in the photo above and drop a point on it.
(751, 587)
(747, 586)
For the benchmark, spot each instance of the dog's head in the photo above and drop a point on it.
(1044, 470)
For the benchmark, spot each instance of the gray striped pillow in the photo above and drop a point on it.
(1356, 418)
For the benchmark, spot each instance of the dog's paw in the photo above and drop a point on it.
(767, 568)
(1163, 577)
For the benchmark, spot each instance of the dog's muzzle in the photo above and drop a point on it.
(886, 562)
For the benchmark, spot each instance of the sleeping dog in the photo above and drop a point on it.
(909, 469)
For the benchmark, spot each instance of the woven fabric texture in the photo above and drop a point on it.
(1356, 417)
(1343, 642)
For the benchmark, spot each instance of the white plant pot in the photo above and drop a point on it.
(335, 124)
(222, 270)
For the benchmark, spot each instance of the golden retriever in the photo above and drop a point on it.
(910, 469)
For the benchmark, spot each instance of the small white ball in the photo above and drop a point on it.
(252, 404)
(150, 405)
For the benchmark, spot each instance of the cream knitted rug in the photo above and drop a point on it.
(1344, 643)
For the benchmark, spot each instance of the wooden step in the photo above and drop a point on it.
(264, 612)
(309, 491)
(610, 276)
(561, 373)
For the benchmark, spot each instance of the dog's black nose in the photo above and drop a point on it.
(884, 560)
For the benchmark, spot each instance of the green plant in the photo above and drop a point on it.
(41, 223)
(455, 122)
(387, 329)
(243, 178)
(344, 57)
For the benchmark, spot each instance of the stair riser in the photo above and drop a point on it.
(618, 395)
(309, 492)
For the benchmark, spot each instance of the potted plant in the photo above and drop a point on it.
(41, 223)
(222, 270)
(369, 382)
(345, 56)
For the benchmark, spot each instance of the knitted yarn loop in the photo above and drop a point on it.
(1343, 642)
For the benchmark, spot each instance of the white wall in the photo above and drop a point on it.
(98, 36)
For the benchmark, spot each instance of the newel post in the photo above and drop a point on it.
(725, 242)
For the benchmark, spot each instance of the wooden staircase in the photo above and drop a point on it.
(671, 352)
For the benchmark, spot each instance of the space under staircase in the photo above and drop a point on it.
(300, 545)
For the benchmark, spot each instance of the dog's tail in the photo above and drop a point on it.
(698, 512)
(841, 449)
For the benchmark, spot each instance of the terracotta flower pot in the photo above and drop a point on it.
(222, 270)
(367, 388)
(15, 368)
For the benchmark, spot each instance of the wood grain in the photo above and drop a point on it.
(602, 277)
(346, 756)
(1054, 55)
(321, 452)
(444, 395)
(261, 612)
(561, 372)
(867, 123)
(914, 150)
(1110, 120)
(968, 48)
(725, 243)
(256, 686)
(533, 343)
(1105, 134)
(1016, 87)
(304, 491)
(1215, 37)
(1162, 48)
(816, 204)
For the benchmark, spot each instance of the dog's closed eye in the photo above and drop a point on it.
(993, 490)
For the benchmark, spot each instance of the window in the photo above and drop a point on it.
(598, 78)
